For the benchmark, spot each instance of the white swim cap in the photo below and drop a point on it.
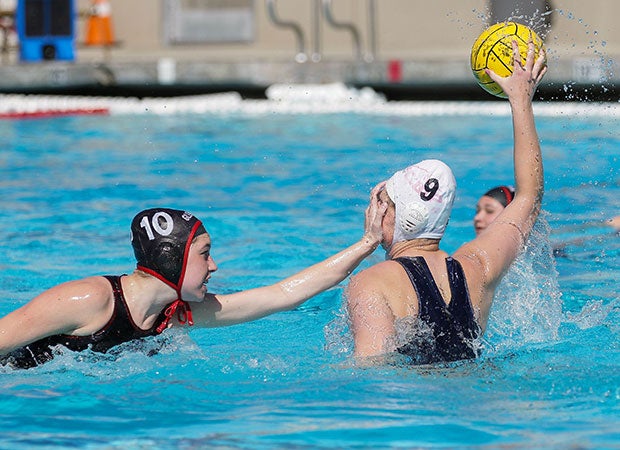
(423, 194)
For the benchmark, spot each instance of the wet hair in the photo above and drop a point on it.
(503, 194)
(161, 238)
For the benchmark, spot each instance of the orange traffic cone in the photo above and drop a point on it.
(99, 25)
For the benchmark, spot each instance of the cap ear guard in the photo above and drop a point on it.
(412, 219)
(168, 260)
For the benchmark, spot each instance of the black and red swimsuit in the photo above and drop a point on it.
(120, 328)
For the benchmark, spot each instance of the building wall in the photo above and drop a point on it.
(406, 30)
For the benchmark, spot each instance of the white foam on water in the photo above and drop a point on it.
(285, 99)
(593, 313)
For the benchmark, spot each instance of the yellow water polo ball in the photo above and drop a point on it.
(493, 50)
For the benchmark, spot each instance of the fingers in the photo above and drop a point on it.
(375, 211)
(376, 204)
(541, 74)
(493, 76)
(375, 199)
(540, 66)
(383, 206)
(516, 56)
(378, 188)
(531, 53)
(531, 62)
(526, 75)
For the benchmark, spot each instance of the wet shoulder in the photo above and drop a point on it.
(92, 290)
(383, 277)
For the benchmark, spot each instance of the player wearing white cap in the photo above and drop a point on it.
(422, 302)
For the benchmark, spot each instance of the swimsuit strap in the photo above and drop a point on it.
(182, 308)
(121, 321)
(453, 324)
(115, 281)
(460, 305)
(430, 301)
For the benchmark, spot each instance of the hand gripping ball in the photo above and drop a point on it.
(493, 50)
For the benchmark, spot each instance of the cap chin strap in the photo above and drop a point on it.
(183, 310)
(180, 306)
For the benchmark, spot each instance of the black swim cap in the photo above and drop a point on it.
(161, 239)
(503, 194)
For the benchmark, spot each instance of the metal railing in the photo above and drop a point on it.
(301, 55)
(323, 9)
(346, 26)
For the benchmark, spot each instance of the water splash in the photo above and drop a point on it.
(592, 68)
(594, 313)
(527, 307)
(128, 359)
(338, 338)
(527, 310)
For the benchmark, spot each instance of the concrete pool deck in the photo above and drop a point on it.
(398, 80)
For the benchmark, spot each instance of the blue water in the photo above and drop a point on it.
(279, 192)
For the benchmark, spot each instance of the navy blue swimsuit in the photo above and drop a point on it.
(447, 332)
(120, 328)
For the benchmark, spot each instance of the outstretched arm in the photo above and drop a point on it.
(495, 249)
(219, 310)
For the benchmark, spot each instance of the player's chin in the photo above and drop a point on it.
(196, 295)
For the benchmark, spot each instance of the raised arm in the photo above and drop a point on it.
(495, 249)
(218, 310)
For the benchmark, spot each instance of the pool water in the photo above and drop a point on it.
(279, 192)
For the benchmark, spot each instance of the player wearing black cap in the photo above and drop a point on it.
(174, 264)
